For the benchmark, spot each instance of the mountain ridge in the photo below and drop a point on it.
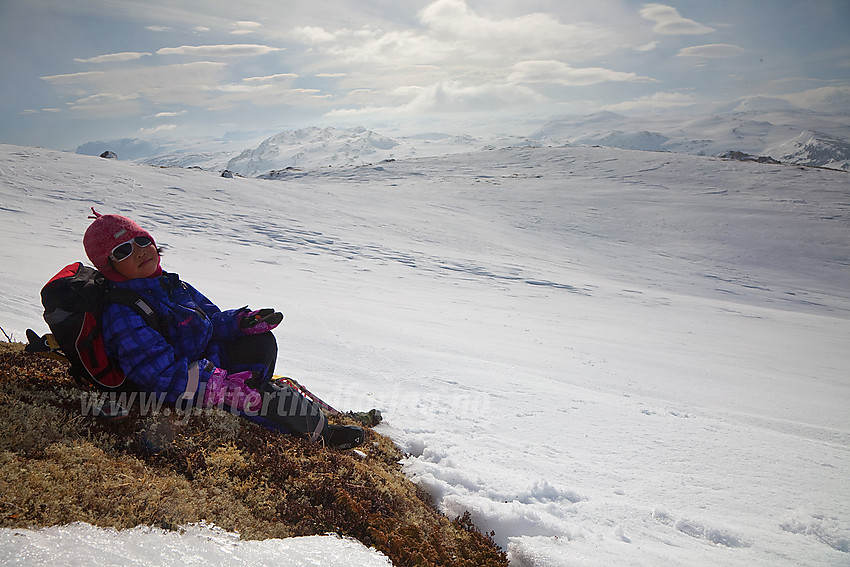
(759, 126)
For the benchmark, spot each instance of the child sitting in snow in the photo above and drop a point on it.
(202, 356)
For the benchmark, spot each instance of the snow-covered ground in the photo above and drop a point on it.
(608, 357)
(196, 545)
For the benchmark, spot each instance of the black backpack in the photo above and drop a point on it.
(73, 305)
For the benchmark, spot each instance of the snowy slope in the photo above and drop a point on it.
(608, 357)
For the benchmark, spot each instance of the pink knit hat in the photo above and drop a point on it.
(104, 234)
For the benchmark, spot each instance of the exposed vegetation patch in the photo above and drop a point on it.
(60, 465)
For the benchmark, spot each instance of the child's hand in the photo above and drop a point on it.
(261, 321)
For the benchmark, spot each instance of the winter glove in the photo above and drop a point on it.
(256, 322)
(230, 389)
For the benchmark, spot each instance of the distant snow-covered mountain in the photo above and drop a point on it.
(643, 140)
(205, 152)
(758, 103)
(756, 126)
(815, 148)
(318, 147)
(126, 148)
(313, 148)
(305, 148)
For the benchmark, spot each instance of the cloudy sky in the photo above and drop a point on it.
(81, 70)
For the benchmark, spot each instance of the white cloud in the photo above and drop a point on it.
(155, 129)
(259, 93)
(74, 78)
(114, 57)
(455, 20)
(232, 50)
(105, 98)
(669, 22)
(29, 111)
(179, 84)
(124, 91)
(106, 104)
(141, 79)
(453, 97)
(557, 72)
(271, 78)
(646, 47)
(653, 102)
(832, 99)
(245, 27)
(312, 35)
(713, 50)
(371, 47)
(459, 59)
(158, 28)
(453, 35)
(535, 35)
(450, 97)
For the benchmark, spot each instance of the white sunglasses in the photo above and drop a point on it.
(125, 249)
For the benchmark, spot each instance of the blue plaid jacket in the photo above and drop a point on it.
(194, 328)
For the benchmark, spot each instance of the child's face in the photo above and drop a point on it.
(142, 263)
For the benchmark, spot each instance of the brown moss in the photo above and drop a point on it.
(59, 466)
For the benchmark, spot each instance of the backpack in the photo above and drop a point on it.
(73, 306)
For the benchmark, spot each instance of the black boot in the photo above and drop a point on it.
(343, 436)
(290, 411)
